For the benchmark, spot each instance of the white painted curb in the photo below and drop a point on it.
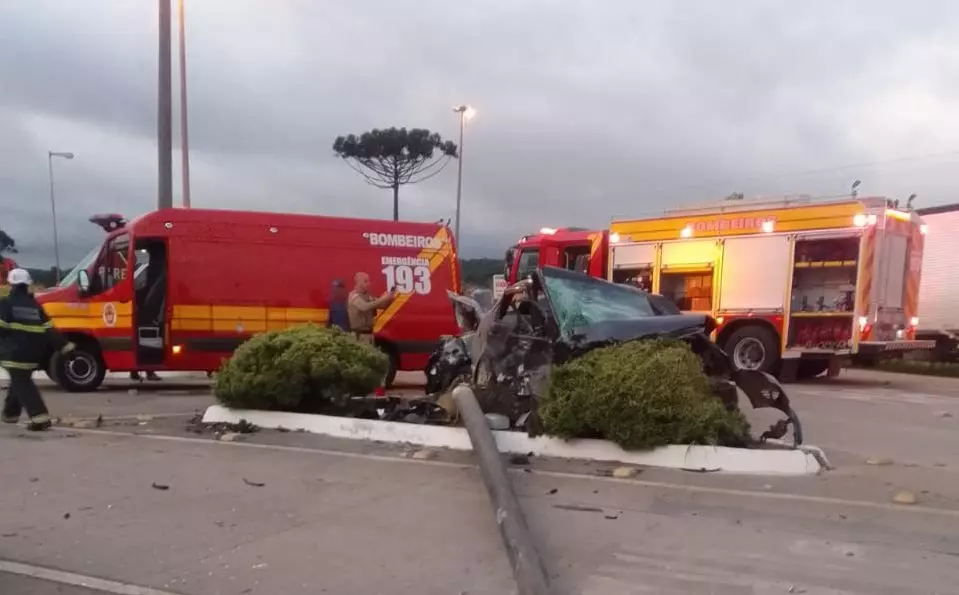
(771, 461)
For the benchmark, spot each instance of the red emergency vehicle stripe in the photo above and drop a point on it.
(436, 258)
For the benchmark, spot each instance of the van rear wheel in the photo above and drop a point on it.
(80, 371)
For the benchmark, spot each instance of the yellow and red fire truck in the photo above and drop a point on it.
(796, 285)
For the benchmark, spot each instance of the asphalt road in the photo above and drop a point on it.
(336, 516)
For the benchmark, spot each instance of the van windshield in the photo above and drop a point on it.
(84, 264)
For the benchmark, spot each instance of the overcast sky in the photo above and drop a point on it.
(586, 110)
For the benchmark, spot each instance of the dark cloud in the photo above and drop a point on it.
(586, 111)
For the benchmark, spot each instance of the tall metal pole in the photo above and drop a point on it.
(184, 135)
(164, 112)
(53, 206)
(459, 176)
(53, 209)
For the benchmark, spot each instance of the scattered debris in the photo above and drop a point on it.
(878, 461)
(938, 464)
(518, 459)
(700, 469)
(229, 437)
(282, 430)
(625, 472)
(423, 455)
(944, 414)
(256, 484)
(85, 424)
(66, 515)
(552, 491)
(904, 497)
(577, 508)
(85, 508)
(610, 516)
(160, 486)
(10, 534)
(34, 479)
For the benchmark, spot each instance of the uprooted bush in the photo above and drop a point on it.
(640, 395)
(305, 368)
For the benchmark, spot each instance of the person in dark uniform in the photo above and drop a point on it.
(339, 314)
(26, 334)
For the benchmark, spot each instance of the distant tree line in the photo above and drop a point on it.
(478, 272)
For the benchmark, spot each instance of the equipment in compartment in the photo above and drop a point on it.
(823, 293)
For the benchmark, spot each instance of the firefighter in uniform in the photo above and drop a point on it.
(26, 334)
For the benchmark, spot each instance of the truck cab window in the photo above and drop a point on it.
(112, 268)
(528, 263)
(576, 258)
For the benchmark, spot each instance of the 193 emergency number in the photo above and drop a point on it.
(403, 278)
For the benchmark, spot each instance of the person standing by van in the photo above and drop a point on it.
(339, 311)
(362, 307)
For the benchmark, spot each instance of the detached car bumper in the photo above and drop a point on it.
(881, 347)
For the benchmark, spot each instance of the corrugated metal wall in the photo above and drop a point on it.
(939, 288)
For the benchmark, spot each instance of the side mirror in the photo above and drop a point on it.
(83, 281)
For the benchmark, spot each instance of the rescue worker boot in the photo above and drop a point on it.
(11, 407)
(40, 423)
(23, 389)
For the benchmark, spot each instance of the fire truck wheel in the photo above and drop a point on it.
(80, 371)
(753, 347)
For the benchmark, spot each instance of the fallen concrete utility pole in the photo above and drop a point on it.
(528, 570)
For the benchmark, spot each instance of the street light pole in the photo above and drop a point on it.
(184, 136)
(164, 112)
(466, 112)
(53, 207)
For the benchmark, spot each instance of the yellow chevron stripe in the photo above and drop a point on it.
(436, 258)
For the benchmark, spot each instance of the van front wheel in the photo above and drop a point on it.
(80, 371)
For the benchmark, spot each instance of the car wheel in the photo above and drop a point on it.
(80, 371)
(753, 347)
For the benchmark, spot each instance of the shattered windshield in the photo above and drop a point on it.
(580, 300)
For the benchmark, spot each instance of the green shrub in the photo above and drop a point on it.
(304, 368)
(640, 395)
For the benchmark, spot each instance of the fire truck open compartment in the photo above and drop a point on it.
(823, 293)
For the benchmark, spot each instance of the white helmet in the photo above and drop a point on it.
(19, 277)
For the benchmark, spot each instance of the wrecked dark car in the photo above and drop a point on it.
(555, 315)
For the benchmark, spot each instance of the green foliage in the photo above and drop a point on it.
(480, 271)
(393, 157)
(7, 243)
(304, 368)
(640, 395)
